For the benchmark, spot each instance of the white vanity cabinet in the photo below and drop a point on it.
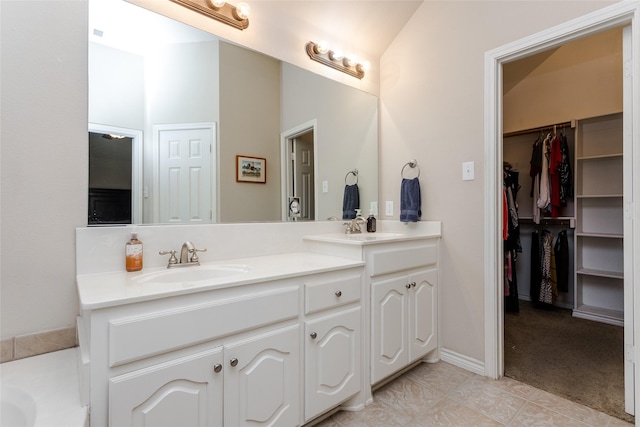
(333, 345)
(404, 283)
(252, 382)
(227, 355)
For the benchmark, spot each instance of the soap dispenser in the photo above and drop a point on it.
(371, 223)
(133, 253)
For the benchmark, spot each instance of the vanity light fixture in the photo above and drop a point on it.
(236, 16)
(334, 58)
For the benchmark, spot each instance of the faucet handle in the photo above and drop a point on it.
(172, 258)
(194, 254)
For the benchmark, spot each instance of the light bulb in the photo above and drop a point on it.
(242, 11)
(363, 66)
(349, 61)
(216, 4)
(322, 47)
(335, 55)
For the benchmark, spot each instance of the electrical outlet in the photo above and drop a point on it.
(468, 171)
(389, 208)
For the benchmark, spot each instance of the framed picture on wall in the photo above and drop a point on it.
(251, 169)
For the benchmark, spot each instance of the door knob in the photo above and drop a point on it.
(233, 362)
(217, 368)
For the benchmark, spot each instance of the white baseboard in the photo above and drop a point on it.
(462, 361)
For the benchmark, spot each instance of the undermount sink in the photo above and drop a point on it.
(192, 274)
(372, 236)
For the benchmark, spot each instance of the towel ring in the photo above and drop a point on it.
(354, 173)
(413, 163)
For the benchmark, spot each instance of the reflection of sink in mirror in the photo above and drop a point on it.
(192, 274)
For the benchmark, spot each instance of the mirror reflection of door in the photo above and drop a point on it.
(302, 174)
(186, 169)
(110, 179)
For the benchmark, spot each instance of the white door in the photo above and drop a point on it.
(627, 142)
(332, 360)
(303, 174)
(182, 392)
(422, 313)
(390, 351)
(185, 174)
(261, 380)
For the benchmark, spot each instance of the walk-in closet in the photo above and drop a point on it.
(563, 221)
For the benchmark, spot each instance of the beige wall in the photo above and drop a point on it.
(575, 81)
(432, 109)
(44, 161)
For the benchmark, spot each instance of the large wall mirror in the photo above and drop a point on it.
(172, 107)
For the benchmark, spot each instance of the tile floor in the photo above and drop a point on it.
(441, 394)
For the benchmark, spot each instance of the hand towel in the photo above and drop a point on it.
(410, 209)
(351, 201)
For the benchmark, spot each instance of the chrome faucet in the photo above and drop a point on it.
(354, 225)
(188, 256)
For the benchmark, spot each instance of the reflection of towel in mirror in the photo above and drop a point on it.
(351, 201)
(410, 210)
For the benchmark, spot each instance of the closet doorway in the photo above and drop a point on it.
(563, 329)
(606, 19)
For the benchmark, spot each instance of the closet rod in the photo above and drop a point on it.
(539, 129)
(561, 222)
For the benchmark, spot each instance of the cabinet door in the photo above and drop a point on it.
(389, 310)
(332, 360)
(422, 313)
(262, 379)
(183, 392)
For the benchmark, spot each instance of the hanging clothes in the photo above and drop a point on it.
(566, 179)
(546, 289)
(511, 236)
(555, 159)
(561, 251)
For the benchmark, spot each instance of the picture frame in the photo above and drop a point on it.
(251, 169)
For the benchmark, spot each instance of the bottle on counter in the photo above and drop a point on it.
(371, 223)
(133, 253)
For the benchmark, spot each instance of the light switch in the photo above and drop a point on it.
(468, 171)
(325, 186)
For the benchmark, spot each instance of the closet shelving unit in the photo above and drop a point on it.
(599, 280)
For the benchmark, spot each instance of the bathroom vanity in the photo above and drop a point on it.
(265, 340)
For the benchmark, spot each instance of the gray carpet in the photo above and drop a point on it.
(578, 359)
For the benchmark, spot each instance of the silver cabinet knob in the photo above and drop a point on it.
(313, 335)
(233, 361)
(217, 368)
(413, 284)
(408, 286)
(338, 294)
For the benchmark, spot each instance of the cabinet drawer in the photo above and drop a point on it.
(392, 260)
(332, 293)
(136, 337)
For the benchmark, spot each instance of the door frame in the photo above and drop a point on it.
(616, 15)
(136, 164)
(213, 156)
(285, 177)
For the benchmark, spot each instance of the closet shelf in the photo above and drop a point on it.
(600, 273)
(599, 196)
(599, 314)
(600, 156)
(600, 235)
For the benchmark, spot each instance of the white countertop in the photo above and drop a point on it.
(120, 287)
(363, 238)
